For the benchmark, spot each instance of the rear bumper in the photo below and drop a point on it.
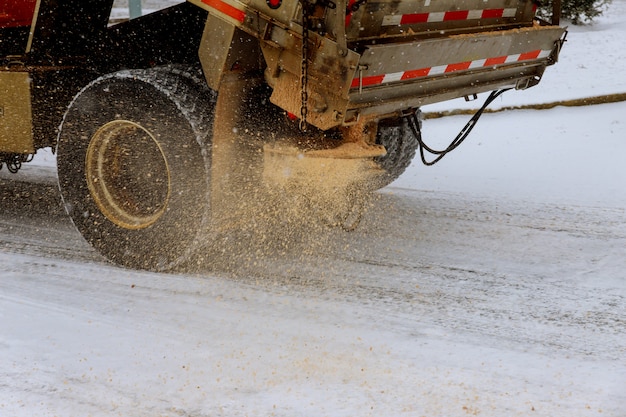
(388, 78)
(393, 77)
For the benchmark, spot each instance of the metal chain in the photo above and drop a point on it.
(13, 161)
(304, 70)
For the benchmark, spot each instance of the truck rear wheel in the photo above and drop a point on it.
(134, 166)
(401, 145)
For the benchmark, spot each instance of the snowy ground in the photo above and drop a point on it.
(492, 284)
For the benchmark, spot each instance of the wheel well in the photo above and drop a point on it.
(168, 36)
(61, 62)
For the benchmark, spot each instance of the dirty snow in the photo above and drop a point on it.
(492, 284)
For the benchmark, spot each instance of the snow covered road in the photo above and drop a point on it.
(492, 284)
(443, 303)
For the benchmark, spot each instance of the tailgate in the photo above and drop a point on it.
(402, 75)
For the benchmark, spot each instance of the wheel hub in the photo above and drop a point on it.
(127, 174)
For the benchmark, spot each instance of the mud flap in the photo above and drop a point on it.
(16, 135)
(234, 175)
(224, 47)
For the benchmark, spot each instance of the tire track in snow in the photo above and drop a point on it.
(515, 275)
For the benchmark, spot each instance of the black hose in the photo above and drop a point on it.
(414, 124)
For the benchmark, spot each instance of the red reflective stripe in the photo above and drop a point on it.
(367, 81)
(227, 9)
(409, 19)
(456, 15)
(349, 14)
(459, 66)
(495, 61)
(453, 15)
(529, 55)
(492, 13)
(422, 72)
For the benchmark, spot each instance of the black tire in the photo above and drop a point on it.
(134, 166)
(192, 73)
(401, 145)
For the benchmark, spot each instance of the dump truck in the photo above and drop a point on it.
(166, 126)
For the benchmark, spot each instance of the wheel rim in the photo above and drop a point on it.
(127, 174)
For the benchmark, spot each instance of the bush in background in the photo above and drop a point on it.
(578, 11)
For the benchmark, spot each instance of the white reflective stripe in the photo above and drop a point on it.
(440, 69)
(392, 20)
(479, 63)
(436, 17)
(475, 14)
(394, 76)
(512, 58)
(509, 12)
(544, 54)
